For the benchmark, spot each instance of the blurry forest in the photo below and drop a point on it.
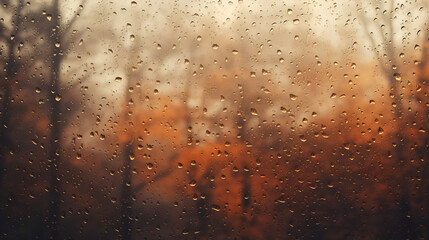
(240, 119)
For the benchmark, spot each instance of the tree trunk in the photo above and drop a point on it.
(423, 100)
(11, 70)
(54, 157)
(126, 195)
(125, 225)
(406, 228)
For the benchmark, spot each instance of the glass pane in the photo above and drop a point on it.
(217, 119)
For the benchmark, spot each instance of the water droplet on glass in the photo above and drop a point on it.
(149, 166)
(193, 183)
(264, 72)
(397, 76)
(216, 208)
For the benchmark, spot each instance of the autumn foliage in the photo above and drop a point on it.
(259, 127)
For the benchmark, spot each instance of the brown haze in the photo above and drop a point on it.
(214, 119)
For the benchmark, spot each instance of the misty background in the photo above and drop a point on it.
(214, 119)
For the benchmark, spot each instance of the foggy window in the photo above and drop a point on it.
(240, 119)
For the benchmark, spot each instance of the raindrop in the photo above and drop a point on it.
(193, 183)
(216, 208)
(149, 166)
(397, 76)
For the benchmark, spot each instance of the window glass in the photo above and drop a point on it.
(225, 119)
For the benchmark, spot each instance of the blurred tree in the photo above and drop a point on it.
(423, 117)
(128, 148)
(59, 32)
(385, 46)
(10, 71)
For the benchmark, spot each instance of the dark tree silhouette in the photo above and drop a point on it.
(392, 72)
(57, 41)
(11, 69)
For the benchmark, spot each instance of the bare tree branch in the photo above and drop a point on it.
(82, 80)
(72, 39)
(77, 14)
(365, 21)
(158, 176)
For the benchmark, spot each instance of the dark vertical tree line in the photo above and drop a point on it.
(58, 40)
(387, 53)
(9, 72)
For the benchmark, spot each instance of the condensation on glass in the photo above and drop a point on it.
(238, 119)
